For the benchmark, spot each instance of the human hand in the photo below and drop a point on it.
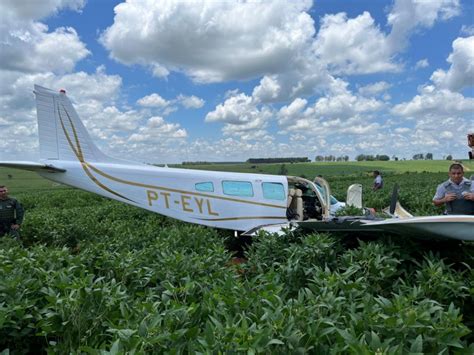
(15, 226)
(468, 196)
(450, 197)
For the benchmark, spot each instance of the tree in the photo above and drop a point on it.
(429, 156)
(449, 157)
(418, 156)
(382, 157)
(319, 158)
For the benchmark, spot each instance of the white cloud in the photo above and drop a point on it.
(109, 120)
(354, 46)
(30, 48)
(422, 63)
(269, 89)
(235, 149)
(292, 112)
(307, 77)
(241, 114)
(210, 41)
(408, 15)
(153, 100)
(159, 71)
(438, 113)
(461, 72)
(237, 109)
(467, 30)
(32, 10)
(436, 105)
(98, 86)
(446, 135)
(345, 105)
(190, 101)
(340, 113)
(358, 46)
(402, 130)
(157, 129)
(375, 88)
(156, 101)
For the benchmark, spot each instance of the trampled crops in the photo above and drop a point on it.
(95, 275)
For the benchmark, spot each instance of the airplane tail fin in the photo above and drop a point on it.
(62, 135)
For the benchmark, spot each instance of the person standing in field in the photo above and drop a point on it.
(11, 214)
(457, 193)
(378, 181)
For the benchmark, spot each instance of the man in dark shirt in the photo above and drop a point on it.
(11, 214)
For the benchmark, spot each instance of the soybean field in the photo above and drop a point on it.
(94, 276)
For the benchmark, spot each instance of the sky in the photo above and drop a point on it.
(171, 81)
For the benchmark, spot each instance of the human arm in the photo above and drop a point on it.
(442, 196)
(446, 198)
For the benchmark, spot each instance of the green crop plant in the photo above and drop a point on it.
(95, 276)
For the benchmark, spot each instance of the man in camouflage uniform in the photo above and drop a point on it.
(11, 214)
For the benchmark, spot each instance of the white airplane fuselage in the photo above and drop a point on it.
(178, 193)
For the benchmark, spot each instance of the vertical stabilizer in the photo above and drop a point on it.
(62, 135)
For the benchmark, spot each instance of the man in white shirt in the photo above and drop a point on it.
(457, 193)
(378, 181)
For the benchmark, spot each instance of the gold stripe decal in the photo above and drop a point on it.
(100, 172)
(88, 166)
(80, 156)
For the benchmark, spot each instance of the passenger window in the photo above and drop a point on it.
(204, 186)
(273, 191)
(237, 188)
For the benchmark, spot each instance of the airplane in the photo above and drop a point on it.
(245, 203)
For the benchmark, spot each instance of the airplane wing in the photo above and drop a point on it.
(31, 166)
(457, 227)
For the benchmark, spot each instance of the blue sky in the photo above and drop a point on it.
(174, 81)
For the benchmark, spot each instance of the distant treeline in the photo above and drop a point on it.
(331, 158)
(210, 162)
(278, 160)
(368, 157)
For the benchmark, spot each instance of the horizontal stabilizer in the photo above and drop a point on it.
(31, 166)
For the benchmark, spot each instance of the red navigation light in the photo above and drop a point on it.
(62, 91)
